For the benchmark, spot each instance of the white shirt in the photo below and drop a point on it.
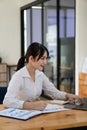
(22, 88)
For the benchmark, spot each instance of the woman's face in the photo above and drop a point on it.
(39, 64)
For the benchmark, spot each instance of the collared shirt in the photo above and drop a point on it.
(22, 88)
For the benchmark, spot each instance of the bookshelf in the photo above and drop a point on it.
(11, 70)
(3, 75)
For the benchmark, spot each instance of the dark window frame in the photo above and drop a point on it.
(28, 6)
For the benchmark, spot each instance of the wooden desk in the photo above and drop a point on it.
(51, 121)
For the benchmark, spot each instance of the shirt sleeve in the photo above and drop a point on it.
(10, 99)
(50, 90)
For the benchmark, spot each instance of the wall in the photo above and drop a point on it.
(81, 36)
(9, 31)
(81, 32)
(10, 44)
(24, 2)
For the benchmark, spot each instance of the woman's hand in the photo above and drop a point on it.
(74, 98)
(36, 105)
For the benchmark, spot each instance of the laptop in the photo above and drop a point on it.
(78, 107)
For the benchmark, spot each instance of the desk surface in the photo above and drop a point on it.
(51, 121)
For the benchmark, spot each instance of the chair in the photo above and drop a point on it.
(3, 91)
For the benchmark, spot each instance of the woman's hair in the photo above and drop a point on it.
(35, 49)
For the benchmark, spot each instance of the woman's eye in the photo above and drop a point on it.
(42, 58)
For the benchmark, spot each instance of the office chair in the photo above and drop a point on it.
(3, 91)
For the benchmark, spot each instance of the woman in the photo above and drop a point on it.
(28, 82)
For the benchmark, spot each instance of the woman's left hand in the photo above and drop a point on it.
(74, 98)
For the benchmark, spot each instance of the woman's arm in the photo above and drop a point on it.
(54, 93)
(50, 90)
(10, 99)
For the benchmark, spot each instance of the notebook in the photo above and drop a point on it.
(79, 107)
(27, 114)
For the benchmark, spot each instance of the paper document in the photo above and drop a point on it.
(19, 114)
(53, 108)
(27, 114)
(60, 101)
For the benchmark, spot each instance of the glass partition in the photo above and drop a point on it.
(26, 29)
(67, 45)
(52, 23)
(50, 38)
(36, 23)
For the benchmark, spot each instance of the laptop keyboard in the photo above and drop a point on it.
(85, 100)
(79, 107)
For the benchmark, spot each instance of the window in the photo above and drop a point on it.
(52, 23)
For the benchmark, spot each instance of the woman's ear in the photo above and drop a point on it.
(31, 59)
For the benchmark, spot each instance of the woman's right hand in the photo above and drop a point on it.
(36, 105)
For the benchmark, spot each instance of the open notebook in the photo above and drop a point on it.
(79, 107)
(27, 114)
